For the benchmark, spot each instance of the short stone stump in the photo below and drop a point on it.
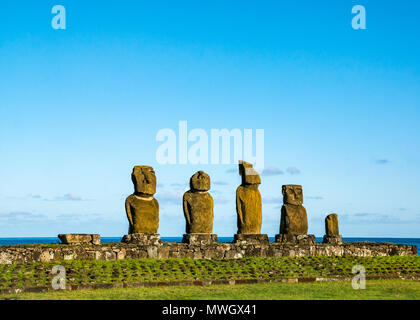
(333, 239)
(250, 238)
(142, 239)
(199, 238)
(79, 238)
(296, 239)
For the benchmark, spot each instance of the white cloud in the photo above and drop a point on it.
(382, 161)
(220, 183)
(67, 197)
(269, 199)
(293, 170)
(272, 171)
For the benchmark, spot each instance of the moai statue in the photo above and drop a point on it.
(331, 230)
(294, 220)
(198, 211)
(142, 208)
(249, 206)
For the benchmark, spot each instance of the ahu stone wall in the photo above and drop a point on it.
(19, 254)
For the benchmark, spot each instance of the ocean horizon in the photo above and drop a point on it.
(53, 240)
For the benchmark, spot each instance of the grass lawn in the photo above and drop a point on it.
(91, 272)
(375, 289)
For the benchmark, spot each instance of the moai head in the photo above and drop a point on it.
(144, 180)
(248, 173)
(292, 194)
(200, 181)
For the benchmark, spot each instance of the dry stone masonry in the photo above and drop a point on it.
(142, 238)
(79, 238)
(19, 254)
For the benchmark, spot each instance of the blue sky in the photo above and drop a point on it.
(340, 109)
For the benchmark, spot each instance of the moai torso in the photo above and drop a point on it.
(198, 205)
(294, 219)
(331, 225)
(248, 201)
(144, 214)
(249, 209)
(141, 207)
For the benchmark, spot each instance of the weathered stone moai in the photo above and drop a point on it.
(198, 211)
(331, 230)
(142, 208)
(294, 220)
(249, 206)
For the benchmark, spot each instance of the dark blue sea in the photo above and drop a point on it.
(10, 241)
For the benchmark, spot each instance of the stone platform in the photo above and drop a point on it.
(333, 239)
(19, 254)
(296, 239)
(199, 238)
(144, 239)
(250, 238)
(80, 238)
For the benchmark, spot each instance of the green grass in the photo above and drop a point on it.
(375, 289)
(155, 270)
